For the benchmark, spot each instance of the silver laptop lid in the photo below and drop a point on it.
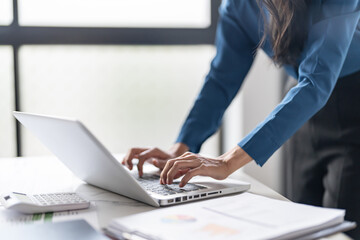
(83, 154)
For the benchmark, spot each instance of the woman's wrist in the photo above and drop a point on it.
(178, 149)
(236, 158)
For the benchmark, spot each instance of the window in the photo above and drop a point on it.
(127, 95)
(120, 66)
(116, 13)
(7, 122)
(6, 12)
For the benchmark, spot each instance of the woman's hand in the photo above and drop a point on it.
(155, 156)
(190, 165)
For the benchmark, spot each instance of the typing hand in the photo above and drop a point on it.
(155, 156)
(191, 165)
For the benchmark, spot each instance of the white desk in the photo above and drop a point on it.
(47, 174)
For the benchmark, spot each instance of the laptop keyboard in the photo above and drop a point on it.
(151, 184)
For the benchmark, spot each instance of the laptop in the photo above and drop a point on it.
(88, 159)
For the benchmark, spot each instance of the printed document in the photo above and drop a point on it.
(244, 216)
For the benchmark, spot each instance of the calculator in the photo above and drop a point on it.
(39, 203)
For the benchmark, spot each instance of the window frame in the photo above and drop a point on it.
(16, 35)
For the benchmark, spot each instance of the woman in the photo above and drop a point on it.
(318, 43)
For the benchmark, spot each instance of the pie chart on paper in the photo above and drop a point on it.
(178, 218)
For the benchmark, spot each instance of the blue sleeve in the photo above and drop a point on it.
(233, 59)
(322, 60)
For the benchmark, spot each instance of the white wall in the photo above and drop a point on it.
(259, 94)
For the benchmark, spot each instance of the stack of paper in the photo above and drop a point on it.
(244, 216)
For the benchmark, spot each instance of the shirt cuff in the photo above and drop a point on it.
(259, 145)
(192, 143)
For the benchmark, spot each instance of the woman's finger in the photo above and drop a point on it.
(148, 154)
(181, 172)
(153, 153)
(199, 171)
(180, 164)
(143, 156)
(132, 153)
(168, 165)
(159, 163)
(163, 173)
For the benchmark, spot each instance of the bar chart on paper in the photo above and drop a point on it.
(219, 230)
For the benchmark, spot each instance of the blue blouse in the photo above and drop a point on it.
(332, 50)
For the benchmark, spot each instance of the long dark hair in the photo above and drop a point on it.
(287, 28)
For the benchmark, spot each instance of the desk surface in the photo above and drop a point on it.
(47, 174)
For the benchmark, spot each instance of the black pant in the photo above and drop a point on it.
(322, 159)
